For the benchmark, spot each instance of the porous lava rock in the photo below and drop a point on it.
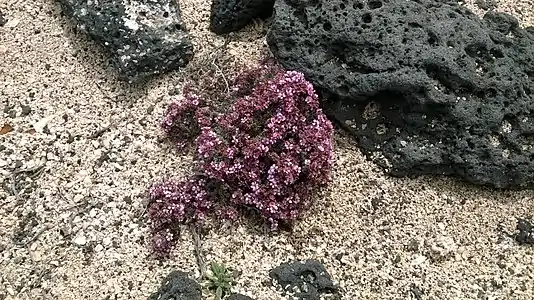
(486, 4)
(525, 232)
(238, 297)
(144, 37)
(426, 86)
(232, 15)
(178, 286)
(307, 279)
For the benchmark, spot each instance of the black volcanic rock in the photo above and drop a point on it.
(307, 280)
(233, 15)
(426, 86)
(3, 20)
(178, 286)
(486, 4)
(144, 37)
(238, 297)
(525, 232)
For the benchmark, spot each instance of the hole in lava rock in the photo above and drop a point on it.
(375, 4)
(367, 18)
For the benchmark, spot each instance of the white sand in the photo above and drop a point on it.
(376, 235)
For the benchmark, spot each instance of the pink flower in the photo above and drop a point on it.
(269, 150)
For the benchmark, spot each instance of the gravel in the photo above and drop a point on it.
(84, 148)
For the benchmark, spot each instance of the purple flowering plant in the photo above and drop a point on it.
(265, 144)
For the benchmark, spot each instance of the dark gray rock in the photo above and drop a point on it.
(426, 86)
(486, 4)
(238, 297)
(144, 37)
(304, 279)
(3, 20)
(178, 286)
(233, 15)
(525, 232)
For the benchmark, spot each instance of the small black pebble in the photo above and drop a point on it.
(416, 292)
(46, 130)
(3, 20)
(12, 114)
(525, 236)
(26, 110)
(7, 108)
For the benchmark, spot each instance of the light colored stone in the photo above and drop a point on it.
(80, 240)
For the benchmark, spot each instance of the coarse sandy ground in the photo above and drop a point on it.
(77, 229)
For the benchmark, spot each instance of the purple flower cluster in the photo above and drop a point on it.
(184, 117)
(267, 150)
(272, 147)
(175, 202)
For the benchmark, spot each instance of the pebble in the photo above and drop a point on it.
(41, 124)
(442, 247)
(419, 259)
(106, 241)
(26, 110)
(93, 213)
(12, 23)
(36, 255)
(80, 240)
(10, 291)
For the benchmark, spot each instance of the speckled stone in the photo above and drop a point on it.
(307, 280)
(144, 37)
(178, 286)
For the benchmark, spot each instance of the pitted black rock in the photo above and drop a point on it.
(144, 37)
(525, 231)
(232, 15)
(178, 286)
(238, 297)
(426, 86)
(307, 280)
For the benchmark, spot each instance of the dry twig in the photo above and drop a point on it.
(197, 242)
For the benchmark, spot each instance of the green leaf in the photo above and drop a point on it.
(219, 293)
(215, 268)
